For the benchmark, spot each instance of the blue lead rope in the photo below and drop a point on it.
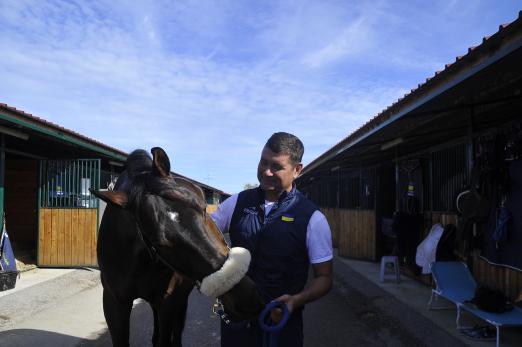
(271, 332)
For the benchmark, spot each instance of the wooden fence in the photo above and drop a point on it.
(211, 208)
(21, 180)
(332, 216)
(353, 232)
(67, 237)
(507, 280)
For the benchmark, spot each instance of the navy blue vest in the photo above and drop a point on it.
(277, 243)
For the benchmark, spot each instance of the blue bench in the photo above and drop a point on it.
(455, 283)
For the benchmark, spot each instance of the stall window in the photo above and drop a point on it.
(66, 183)
(449, 175)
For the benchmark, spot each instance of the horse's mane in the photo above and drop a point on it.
(137, 163)
(137, 174)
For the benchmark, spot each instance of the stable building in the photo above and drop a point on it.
(46, 172)
(457, 135)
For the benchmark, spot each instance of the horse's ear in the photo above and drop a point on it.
(160, 163)
(117, 198)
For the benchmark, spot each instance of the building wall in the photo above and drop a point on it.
(21, 196)
(441, 175)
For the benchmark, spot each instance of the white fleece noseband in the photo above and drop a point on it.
(232, 271)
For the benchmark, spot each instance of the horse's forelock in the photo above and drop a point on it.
(138, 176)
(171, 189)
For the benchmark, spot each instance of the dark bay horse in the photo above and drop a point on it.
(156, 242)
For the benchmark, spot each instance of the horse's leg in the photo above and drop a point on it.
(117, 316)
(171, 313)
(164, 322)
(180, 314)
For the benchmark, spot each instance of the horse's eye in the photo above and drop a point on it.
(174, 216)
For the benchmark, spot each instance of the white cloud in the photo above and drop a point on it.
(208, 81)
(354, 40)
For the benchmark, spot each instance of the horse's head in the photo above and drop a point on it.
(170, 214)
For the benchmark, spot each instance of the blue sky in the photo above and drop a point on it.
(210, 81)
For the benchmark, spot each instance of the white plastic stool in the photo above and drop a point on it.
(394, 260)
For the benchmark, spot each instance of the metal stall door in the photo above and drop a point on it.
(68, 213)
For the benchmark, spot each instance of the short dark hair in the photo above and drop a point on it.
(286, 143)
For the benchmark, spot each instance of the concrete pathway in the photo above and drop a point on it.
(52, 307)
(32, 277)
(415, 296)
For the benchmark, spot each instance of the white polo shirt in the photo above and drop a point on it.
(318, 234)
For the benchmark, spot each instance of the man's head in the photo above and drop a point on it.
(280, 164)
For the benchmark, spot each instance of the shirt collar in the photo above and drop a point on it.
(283, 197)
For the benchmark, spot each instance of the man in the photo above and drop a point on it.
(284, 232)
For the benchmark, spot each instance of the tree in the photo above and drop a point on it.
(250, 185)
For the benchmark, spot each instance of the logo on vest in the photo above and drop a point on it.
(250, 210)
(287, 219)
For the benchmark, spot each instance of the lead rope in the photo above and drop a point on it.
(271, 332)
(219, 310)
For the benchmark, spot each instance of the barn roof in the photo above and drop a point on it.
(19, 119)
(507, 39)
(27, 120)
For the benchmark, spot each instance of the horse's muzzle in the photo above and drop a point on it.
(243, 301)
(232, 271)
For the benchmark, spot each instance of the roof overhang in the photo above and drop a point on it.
(483, 85)
(15, 123)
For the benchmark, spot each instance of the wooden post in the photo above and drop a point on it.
(470, 147)
(2, 177)
(397, 207)
(338, 187)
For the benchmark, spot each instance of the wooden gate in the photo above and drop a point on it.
(68, 213)
(353, 232)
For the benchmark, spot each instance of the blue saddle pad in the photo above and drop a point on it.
(7, 259)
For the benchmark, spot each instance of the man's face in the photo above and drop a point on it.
(276, 172)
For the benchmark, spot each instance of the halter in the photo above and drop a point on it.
(155, 256)
(217, 283)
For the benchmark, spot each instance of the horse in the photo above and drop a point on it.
(156, 242)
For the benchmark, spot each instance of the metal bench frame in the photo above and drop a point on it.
(455, 283)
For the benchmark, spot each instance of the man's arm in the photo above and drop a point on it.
(319, 286)
(223, 214)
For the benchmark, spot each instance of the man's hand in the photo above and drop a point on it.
(318, 287)
(277, 314)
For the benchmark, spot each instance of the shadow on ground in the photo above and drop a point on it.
(33, 337)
